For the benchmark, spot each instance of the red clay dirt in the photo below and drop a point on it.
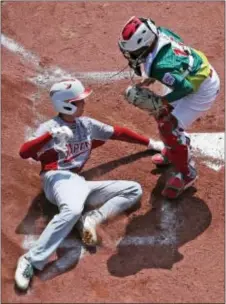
(185, 261)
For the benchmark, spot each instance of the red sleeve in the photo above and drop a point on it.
(31, 147)
(125, 134)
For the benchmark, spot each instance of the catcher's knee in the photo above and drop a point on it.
(167, 126)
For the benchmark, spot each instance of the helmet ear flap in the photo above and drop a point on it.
(69, 107)
(64, 107)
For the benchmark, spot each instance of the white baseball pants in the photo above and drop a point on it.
(191, 107)
(71, 192)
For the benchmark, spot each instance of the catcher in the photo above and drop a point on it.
(157, 53)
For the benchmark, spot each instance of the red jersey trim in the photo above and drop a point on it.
(32, 147)
(127, 135)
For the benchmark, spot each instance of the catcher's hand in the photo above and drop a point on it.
(146, 82)
(145, 99)
(136, 69)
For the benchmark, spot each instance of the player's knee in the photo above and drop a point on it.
(133, 196)
(71, 214)
(136, 191)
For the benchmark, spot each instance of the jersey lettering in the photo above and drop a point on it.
(74, 149)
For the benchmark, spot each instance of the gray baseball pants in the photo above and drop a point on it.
(71, 192)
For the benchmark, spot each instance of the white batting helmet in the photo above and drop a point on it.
(137, 35)
(65, 92)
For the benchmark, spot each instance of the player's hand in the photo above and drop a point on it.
(146, 82)
(62, 133)
(155, 145)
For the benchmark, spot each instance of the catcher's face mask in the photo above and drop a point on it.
(138, 36)
(137, 57)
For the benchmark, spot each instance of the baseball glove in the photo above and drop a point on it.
(145, 99)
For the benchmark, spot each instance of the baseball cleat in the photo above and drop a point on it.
(87, 225)
(176, 184)
(24, 273)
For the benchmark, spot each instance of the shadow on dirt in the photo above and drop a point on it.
(111, 165)
(152, 240)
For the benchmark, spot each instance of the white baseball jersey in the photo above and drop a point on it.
(75, 152)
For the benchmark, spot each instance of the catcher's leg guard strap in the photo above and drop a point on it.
(177, 144)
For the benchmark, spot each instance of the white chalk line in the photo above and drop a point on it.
(47, 76)
(14, 47)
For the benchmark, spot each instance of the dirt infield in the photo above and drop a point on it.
(163, 252)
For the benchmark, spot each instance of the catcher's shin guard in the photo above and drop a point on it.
(177, 143)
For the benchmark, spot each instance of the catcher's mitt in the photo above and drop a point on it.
(145, 99)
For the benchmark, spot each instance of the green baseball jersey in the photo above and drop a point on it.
(176, 65)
